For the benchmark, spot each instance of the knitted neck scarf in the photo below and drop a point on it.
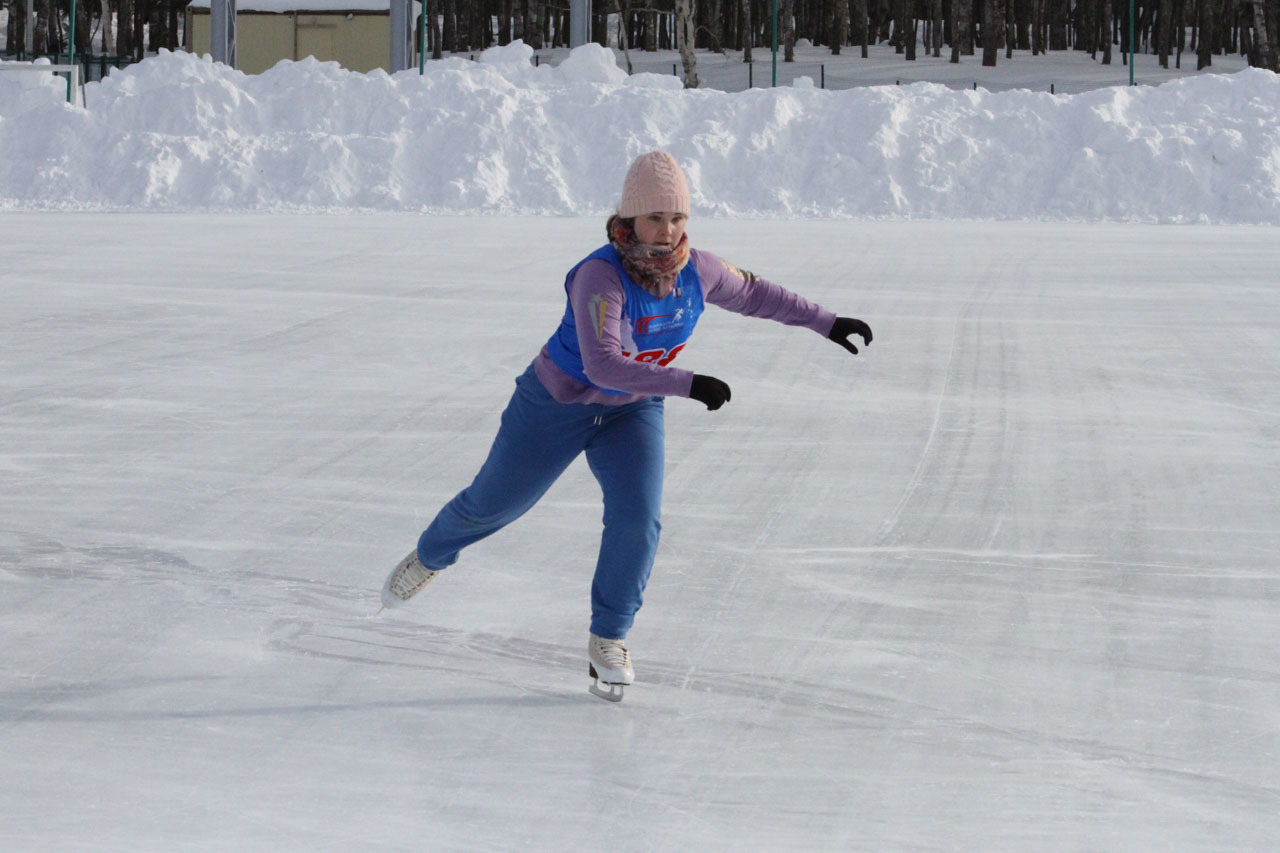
(654, 268)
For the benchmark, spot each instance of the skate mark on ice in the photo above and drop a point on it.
(475, 655)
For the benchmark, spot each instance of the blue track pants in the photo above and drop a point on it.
(538, 439)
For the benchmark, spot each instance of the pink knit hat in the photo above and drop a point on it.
(654, 184)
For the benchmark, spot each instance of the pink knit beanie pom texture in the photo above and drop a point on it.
(654, 184)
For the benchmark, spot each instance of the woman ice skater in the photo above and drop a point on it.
(598, 387)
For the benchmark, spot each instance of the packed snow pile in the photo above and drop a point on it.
(179, 133)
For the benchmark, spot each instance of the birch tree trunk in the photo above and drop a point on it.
(108, 30)
(686, 31)
(624, 12)
(748, 32)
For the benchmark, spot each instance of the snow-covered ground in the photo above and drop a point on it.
(1006, 581)
(1063, 72)
(505, 136)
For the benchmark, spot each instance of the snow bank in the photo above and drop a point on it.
(499, 135)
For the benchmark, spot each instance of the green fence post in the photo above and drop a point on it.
(775, 42)
(71, 51)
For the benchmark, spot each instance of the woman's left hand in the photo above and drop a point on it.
(846, 326)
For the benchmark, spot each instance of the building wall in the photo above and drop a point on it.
(359, 41)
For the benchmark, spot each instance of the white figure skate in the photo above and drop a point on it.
(406, 580)
(609, 663)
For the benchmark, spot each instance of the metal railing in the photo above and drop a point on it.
(92, 68)
(72, 72)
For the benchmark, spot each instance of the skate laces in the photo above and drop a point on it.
(411, 577)
(611, 653)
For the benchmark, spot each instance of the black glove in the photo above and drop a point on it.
(846, 326)
(709, 390)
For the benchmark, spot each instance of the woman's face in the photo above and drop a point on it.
(660, 229)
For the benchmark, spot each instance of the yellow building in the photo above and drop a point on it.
(354, 33)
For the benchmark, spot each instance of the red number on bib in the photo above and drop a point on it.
(659, 357)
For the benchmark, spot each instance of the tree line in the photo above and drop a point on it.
(129, 28)
(123, 28)
(1101, 27)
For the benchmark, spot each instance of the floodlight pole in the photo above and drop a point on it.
(222, 31)
(422, 38)
(401, 35)
(775, 42)
(579, 22)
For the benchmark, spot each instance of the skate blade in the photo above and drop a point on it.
(613, 694)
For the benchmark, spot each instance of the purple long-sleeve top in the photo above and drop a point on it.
(598, 281)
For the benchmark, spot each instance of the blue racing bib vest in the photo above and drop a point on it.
(652, 329)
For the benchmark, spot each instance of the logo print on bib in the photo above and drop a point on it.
(658, 323)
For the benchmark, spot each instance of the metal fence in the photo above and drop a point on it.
(92, 68)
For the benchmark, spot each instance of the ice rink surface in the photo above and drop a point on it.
(1007, 581)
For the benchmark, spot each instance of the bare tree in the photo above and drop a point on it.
(1204, 49)
(788, 34)
(1273, 32)
(1263, 48)
(909, 29)
(1107, 19)
(15, 33)
(685, 35)
(1164, 31)
(861, 25)
(713, 25)
(990, 46)
(624, 13)
(961, 29)
(1236, 26)
(938, 28)
(841, 26)
(532, 25)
